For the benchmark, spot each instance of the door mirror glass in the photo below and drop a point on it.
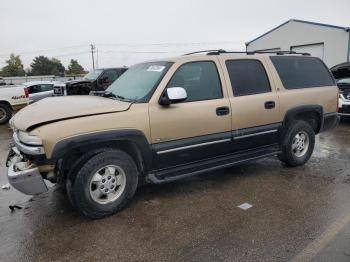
(173, 95)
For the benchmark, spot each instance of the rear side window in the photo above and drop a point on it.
(248, 77)
(46, 87)
(302, 72)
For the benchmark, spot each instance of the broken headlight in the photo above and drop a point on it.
(28, 139)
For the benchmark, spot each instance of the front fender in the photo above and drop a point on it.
(92, 141)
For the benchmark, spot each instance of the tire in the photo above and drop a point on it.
(5, 113)
(297, 134)
(85, 191)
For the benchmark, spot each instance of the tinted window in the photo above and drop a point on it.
(247, 77)
(302, 72)
(34, 89)
(46, 87)
(200, 79)
(111, 74)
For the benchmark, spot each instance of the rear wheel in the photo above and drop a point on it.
(104, 184)
(298, 143)
(5, 113)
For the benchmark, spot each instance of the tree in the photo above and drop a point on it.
(74, 68)
(42, 65)
(14, 67)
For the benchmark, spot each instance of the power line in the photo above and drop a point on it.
(44, 50)
(21, 53)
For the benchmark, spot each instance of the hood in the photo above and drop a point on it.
(54, 109)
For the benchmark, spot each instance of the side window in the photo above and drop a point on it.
(46, 87)
(302, 72)
(34, 89)
(111, 74)
(248, 77)
(200, 79)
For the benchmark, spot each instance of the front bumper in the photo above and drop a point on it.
(23, 176)
(344, 106)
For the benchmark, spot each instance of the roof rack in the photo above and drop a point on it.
(222, 51)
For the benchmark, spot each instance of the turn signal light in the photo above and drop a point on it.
(26, 92)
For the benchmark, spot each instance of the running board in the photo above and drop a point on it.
(179, 172)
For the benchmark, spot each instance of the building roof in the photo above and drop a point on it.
(299, 21)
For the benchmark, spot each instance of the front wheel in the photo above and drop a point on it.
(297, 144)
(104, 184)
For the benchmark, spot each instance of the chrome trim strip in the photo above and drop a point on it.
(30, 150)
(256, 134)
(192, 146)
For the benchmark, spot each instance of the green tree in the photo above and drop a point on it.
(14, 67)
(42, 65)
(74, 68)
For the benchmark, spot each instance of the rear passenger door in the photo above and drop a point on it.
(254, 102)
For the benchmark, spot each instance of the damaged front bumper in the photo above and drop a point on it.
(23, 175)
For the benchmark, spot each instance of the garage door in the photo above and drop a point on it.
(313, 49)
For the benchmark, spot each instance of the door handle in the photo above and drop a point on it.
(222, 110)
(270, 104)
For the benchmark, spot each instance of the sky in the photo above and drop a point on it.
(129, 31)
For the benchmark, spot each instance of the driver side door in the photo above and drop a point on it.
(197, 128)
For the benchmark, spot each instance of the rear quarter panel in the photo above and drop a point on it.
(14, 95)
(325, 96)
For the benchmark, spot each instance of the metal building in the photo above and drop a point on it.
(329, 42)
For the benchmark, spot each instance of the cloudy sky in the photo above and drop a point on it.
(129, 31)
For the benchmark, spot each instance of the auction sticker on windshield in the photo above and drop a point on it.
(156, 68)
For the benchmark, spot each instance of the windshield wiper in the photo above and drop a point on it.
(109, 95)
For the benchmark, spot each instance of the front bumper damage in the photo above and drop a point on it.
(24, 175)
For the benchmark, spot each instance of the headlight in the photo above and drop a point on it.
(25, 138)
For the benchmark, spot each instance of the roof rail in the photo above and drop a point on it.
(222, 51)
(281, 53)
(207, 51)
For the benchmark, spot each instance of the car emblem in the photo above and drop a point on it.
(348, 96)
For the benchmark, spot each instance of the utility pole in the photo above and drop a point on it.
(96, 57)
(92, 54)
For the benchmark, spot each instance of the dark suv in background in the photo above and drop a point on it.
(95, 80)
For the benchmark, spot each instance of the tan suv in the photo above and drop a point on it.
(169, 119)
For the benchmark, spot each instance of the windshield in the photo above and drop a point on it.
(93, 75)
(138, 82)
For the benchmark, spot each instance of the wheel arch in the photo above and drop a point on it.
(130, 141)
(312, 114)
(5, 102)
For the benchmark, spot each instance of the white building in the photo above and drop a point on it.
(328, 42)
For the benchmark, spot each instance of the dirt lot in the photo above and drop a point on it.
(298, 213)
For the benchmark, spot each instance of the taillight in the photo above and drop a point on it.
(26, 92)
(338, 97)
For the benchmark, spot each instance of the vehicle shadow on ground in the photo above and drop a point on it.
(55, 203)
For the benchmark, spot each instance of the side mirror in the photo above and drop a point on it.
(173, 95)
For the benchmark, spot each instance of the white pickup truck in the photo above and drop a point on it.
(12, 98)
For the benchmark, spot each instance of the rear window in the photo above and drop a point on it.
(302, 72)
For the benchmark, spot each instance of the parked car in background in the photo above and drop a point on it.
(40, 89)
(2, 82)
(168, 119)
(95, 80)
(344, 96)
(12, 98)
